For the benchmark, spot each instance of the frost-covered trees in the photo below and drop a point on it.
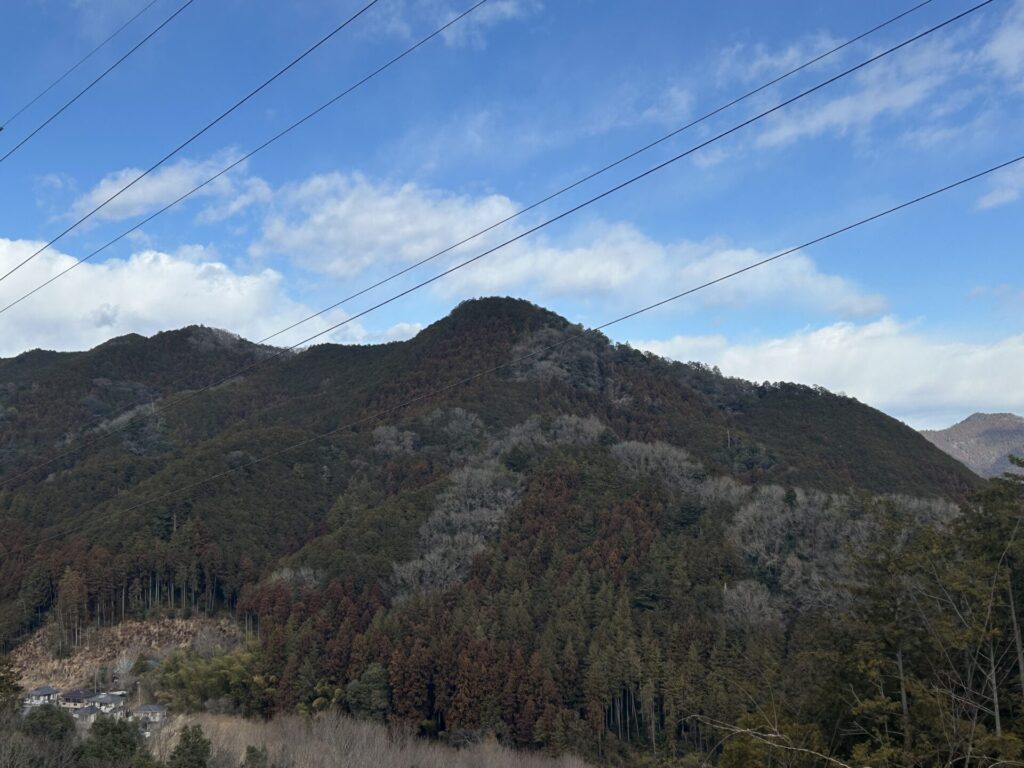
(466, 516)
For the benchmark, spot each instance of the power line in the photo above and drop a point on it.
(187, 395)
(604, 169)
(103, 74)
(234, 164)
(638, 177)
(550, 197)
(76, 65)
(195, 136)
(572, 337)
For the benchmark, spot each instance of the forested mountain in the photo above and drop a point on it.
(591, 549)
(982, 441)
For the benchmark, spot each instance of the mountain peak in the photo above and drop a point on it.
(506, 308)
(204, 337)
(492, 319)
(982, 441)
(992, 420)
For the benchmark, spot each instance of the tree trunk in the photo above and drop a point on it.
(1016, 631)
(904, 705)
(995, 688)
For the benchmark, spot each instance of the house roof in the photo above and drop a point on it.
(43, 690)
(86, 711)
(151, 708)
(77, 694)
(107, 698)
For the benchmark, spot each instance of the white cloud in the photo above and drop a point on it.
(673, 106)
(243, 194)
(605, 258)
(97, 18)
(409, 19)
(397, 332)
(747, 63)
(149, 292)
(1006, 48)
(792, 279)
(470, 31)
(168, 183)
(1003, 294)
(510, 133)
(345, 225)
(1007, 186)
(952, 69)
(888, 87)
(636, 101)
(597, 259)
(925, 380)
(342, 224)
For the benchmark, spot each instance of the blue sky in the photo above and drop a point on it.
(921, 315)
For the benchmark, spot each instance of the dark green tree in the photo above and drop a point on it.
(111, 743)
(10, 690)
(50, 723)
(192, 751)
(144, 759)
(369, 697)
(256, 757)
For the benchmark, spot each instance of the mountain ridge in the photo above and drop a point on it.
(481, 334)
(982, 441)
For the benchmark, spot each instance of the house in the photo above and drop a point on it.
(39, 696)
(108, 704)
(150, 717)
(86, 715)
(152, 713)
(75, 699)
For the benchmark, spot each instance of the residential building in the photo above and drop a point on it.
(111, 704)
(86, 715)
(76, 698)
(41, 695)
(153, 713)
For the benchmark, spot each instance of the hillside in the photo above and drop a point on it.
(106, 650)
(582, 551)
(982, 441)
(92, 504)
(48, 398)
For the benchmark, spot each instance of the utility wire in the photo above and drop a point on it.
(603, 169)
(103, 74)
(518, 213)
(187, 395)
(75, 66)
(195, 135)
(231, 166)
(566, 340)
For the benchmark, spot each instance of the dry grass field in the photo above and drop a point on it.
(335, 741)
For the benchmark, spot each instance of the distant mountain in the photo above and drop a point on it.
(982, 441)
